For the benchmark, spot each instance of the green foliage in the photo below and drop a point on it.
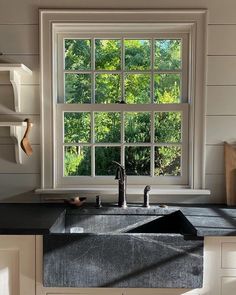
(77, 88)
(167, 127)
(137, 127)
(103, 160)
(168, 54)
(137, 88)
(77, 127)
(108, 88)
(77, 54)
(167, 88)
(167, 161)
(107, 125)
(137, 54)
(77, 161)
(137, 160)
(107, 54)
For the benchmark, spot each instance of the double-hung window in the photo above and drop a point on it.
(122, 92)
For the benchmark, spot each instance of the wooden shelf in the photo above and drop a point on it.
(16, 135)
(9, 124)
(16, 71)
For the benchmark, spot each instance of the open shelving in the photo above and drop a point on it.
(16, 135)
(16, 71)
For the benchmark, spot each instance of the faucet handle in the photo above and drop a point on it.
(98, 202)
(146, 196)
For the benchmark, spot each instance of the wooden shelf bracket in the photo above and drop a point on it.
(16, 71)
(16, 135)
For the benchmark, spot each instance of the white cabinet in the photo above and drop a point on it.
(17, 265)
(220, 270)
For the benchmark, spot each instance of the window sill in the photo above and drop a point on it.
(130, 191)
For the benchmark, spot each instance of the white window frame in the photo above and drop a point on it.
(56, 22)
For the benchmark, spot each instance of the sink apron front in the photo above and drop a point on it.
(122, 260)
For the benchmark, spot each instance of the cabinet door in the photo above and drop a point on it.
(17, 265)
(160, 291)
(220, 268)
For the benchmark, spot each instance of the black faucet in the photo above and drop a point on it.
(121, 176)
(146, 196)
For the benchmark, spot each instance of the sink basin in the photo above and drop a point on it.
(133, 248)
(174, 222)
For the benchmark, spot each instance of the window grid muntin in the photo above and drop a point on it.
(124, 72)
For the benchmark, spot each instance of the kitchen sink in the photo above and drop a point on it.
(174, 222)
(138, 248)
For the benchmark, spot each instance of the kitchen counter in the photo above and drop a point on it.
(29, 219)
(39, 219)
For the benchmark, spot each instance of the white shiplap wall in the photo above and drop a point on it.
(19, 43)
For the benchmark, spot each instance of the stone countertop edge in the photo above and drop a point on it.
(43, 218)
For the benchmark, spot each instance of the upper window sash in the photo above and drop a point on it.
(60, 67)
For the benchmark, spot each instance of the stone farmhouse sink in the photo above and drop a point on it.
(123, 249)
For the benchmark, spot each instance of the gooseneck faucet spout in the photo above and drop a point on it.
(121, 177)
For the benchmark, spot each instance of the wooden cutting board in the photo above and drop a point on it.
(230, 173)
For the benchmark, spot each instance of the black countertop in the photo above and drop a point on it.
(39, 219)
(28, 218)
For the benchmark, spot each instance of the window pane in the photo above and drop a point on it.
(77, 88)
(137, 160)
(107, 54)
(108, 89)
(167, 88)
(137, 88)
(77, 54)
(167, 161)
(103, 160)
(77, 127)
(77, 161)
(107, 127)
(168, 127)
(137, 54)
(137, 127)
(168, 54)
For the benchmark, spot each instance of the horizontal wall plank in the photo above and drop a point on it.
(30, 100)
(19, 39)
(27, 10)
(220, 129)
(19, 12)
(29, 164)
(221, 40)
(34, 135)
(216, 184)
(19, 187)
(31, 61)
(221, 70)
(221, 100)
(214, 159)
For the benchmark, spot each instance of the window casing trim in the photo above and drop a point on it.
(195, 20)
